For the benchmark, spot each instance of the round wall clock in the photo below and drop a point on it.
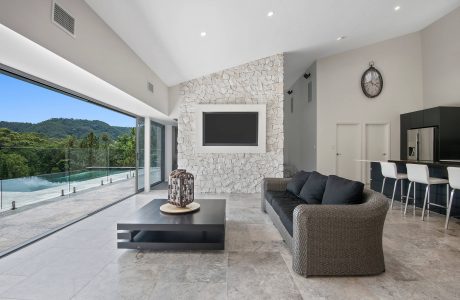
(372, 82)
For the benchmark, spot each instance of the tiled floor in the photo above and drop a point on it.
(82, 262)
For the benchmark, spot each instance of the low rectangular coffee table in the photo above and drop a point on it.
(149, 228)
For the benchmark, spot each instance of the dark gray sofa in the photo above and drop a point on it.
(328, 240)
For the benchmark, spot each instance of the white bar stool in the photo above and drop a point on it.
(454, 182)
(418, 173)
(389, 170)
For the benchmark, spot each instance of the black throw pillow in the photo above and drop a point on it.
(343, 191)
(297, 181)
(313, 189)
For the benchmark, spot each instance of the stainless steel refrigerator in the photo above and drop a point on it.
(421, 143)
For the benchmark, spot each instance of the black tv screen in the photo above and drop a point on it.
(230, 128)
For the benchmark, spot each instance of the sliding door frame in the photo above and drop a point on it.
(139, 155)
(162, 165)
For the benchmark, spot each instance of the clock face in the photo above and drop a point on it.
(372, 82)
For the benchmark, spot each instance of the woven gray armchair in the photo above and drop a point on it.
(333, 240)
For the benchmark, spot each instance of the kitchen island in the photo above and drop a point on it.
(438, 192)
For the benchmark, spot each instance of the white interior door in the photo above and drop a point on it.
(348, 146)
(377, 145)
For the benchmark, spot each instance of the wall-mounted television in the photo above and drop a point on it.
(230, 128)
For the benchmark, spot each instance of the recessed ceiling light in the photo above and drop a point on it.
(341, 38)
(270, 14)
(397, 8)
(203, 33)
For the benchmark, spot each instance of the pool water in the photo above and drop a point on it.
(82, 175)
(36, 183)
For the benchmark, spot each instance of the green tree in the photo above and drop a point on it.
(13, 165)
(30, 154)
(71, 141)
(123, 150)
(105, 140)
(91, 143)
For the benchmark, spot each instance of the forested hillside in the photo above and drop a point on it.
(61, 128)
(29, 154)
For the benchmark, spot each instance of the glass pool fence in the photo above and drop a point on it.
(31, 175)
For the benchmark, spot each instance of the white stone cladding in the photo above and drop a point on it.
(257, 82)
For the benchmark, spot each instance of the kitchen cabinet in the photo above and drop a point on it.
(447, 138)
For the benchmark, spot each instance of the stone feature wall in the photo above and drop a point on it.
(257, 82)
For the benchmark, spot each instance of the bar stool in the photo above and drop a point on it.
(389, 170)
(454, 182)
(418, 173)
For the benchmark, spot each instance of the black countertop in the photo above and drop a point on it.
(429, 163)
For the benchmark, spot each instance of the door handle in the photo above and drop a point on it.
(338, 154)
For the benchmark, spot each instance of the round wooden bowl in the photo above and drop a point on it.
(172, 209)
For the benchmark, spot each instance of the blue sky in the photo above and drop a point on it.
(21, 101)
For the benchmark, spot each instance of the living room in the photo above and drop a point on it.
(273, 154)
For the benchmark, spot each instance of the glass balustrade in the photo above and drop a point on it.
(33, 175)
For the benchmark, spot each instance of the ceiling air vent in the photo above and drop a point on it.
(63, 19)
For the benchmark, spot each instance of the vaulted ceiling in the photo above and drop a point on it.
(166, 34)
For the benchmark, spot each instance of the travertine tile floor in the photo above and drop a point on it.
(82, 262)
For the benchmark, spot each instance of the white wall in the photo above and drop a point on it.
(340, 98)
(96, 48)
(441, 61)
(300, 125)
(174, 99)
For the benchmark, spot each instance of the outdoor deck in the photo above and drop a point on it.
(23, 198)
(23, 224)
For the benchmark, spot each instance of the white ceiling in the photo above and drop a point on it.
(166, 33)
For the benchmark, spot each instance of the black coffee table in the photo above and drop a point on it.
(149, 228)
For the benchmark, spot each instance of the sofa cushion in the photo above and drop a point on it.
(297, 181)
(313, 189)
(270, 195)
(285, 208)
(343, 191)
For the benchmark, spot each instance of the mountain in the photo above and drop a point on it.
(59, 128)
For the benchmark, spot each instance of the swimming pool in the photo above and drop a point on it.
(41, 182)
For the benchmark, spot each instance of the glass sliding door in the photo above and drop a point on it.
(174, 147)
(140, 129)
(157, 144)
(63, 156)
